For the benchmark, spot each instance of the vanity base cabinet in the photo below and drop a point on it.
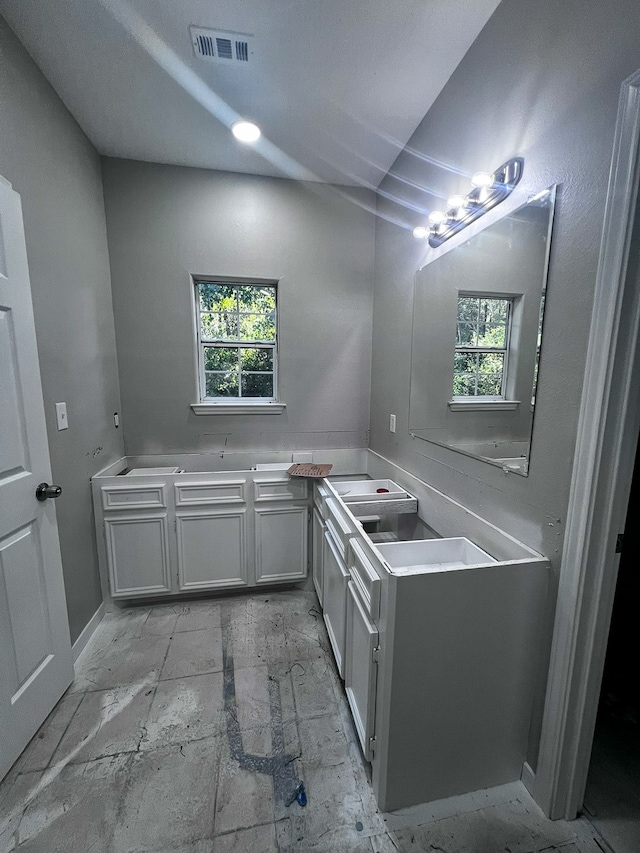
(192, 532)
(457, 681)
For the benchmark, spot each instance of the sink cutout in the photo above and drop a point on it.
(352, 491)
(433, 555)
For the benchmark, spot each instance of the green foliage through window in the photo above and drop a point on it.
(482, 338)
(237, 336)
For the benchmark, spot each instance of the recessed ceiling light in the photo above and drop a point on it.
(245, 131)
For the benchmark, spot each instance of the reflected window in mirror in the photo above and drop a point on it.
(477, 336)
(483, 329)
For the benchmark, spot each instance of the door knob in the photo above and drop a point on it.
(45, 491)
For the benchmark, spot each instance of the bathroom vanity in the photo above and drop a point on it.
(435, 617)
(167, 532)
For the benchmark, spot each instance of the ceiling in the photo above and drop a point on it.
(337, 86)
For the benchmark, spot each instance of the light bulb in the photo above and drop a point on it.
(420, 232)
(436, 217)
(482, 179)
(455, 201)
(245, 131)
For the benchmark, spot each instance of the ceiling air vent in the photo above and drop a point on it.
(225, 48)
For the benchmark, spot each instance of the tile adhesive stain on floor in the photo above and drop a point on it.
(189, 729)
(280, 765)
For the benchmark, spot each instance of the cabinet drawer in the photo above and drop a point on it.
(279, 489)
(338, 526)
(365, 578)
(320, 494)
(142, 496)
(202, 494)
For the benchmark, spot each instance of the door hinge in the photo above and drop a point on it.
(619, 543)
(376, 654)
(372, 744)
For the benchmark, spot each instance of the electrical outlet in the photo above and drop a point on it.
(61, 416)
(116, 420)
(392, 423)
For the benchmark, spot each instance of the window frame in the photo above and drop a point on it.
(487, 401)
(239, 404)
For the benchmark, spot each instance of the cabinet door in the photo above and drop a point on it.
(281, 542)
(137, 553)
(318, 547)
(335, 578)
(212, 549)
(361, 670)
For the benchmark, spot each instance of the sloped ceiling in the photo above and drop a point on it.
(337, 86)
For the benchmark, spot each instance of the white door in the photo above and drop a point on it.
(361, 669)
(335, 578)
(35, 651)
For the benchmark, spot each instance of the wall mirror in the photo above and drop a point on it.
(477, 330)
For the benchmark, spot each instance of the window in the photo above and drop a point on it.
(236, 341)
(482, 344)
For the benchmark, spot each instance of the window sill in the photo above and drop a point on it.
(483, 405)
(238, 408)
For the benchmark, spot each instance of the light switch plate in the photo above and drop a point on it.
(392, 423)
(61, 416)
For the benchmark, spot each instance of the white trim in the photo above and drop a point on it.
(87, 633)
(238, 408)
(528, 777)
(483, 405)
(603, 464)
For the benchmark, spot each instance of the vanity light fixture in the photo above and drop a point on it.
(245, 131)
(482, 179)
(455, 202)
(488, 191)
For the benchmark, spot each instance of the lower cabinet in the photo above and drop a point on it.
(361, 669)
(335, 579)
(194, 532)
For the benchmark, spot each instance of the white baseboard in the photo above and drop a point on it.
(528, 777)
(452, 806)
(87, 632)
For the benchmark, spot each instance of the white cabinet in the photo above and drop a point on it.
(137, 547)
(191, 532)
(335, 580)
(281, 542)
(211, 549)
(318, 531)
(361, 669)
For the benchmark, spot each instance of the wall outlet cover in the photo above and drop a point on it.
(392, 423)
(61, 416)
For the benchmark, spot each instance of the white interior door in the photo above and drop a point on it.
(35, 652)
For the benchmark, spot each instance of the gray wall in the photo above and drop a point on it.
(166, 223)
(541, 81)
(56, 171)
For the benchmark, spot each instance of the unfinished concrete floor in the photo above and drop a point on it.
(188, 728)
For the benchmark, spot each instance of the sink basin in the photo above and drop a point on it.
(433, 555)
(369, 490)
